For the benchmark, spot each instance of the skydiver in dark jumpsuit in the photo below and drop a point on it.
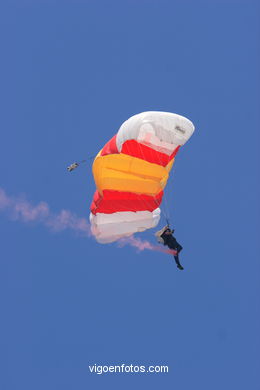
(172, 243)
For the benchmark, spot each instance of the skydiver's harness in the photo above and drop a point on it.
(158, 234)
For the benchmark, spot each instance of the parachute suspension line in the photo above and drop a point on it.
(163, 211)
(164, 200)
(172, 173)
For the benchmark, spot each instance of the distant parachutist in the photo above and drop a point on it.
(75, 165)
(165, 237)
(72, 166)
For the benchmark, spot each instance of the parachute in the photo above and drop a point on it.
(131, 172)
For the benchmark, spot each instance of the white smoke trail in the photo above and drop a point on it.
(20, 209)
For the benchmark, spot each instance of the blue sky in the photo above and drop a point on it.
(71, 73)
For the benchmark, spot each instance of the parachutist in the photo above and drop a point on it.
(165, 236)
(73, 166)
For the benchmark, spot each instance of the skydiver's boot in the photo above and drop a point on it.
(179, 266)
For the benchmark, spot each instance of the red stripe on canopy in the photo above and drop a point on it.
(113, 201)
(136, 149)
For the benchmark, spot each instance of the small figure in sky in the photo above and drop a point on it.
(73, 166)
(165, 236)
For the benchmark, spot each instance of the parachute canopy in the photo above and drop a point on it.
(131, 172)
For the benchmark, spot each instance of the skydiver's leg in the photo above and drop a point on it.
(179, 248)
(176, 257)
(177, 261)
